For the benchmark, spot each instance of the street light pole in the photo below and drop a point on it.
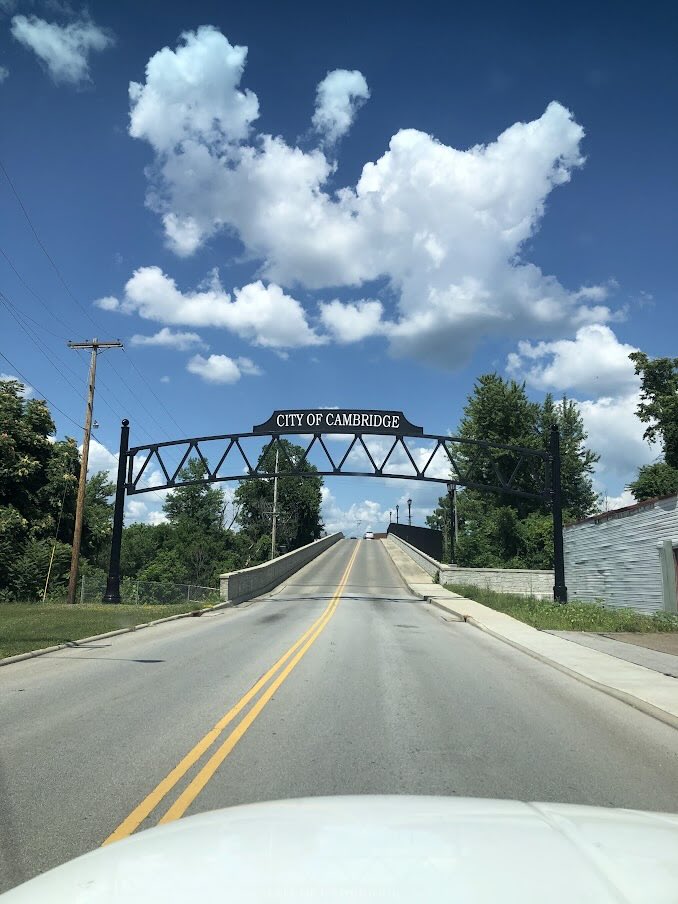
(409, 511)
(275, 506)
(397, 516)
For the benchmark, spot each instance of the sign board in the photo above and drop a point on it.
(338, 420)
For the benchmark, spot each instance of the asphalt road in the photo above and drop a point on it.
(384, 695)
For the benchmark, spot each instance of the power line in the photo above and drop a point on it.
(41, 347)
(28, 382)
(44, 249)
(135, 395)
(79, 304)
(158, 400)
(35, 294)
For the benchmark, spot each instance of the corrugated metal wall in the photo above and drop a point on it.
(616, 559)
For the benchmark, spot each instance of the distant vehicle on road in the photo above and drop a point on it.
(369, 535)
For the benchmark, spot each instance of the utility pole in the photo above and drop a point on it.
(94, 345)
(275, 505)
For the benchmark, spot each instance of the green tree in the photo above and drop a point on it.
(502, 530)
(38, 477)
(658, 406)
(98, 518)
(198, 506)
(299, 502)
(577, 462)
(658, 479)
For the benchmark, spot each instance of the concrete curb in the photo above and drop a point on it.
(638, 703)
(69, 645)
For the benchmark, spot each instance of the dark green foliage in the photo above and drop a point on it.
(658, 407)
(501, 530)
(299, 501)
(658, 479)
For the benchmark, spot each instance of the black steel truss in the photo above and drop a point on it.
(473, 463)
(476, 464)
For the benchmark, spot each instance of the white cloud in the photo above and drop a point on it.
(165, 379)
(593, 362)
(616, 434)
(100, 459)
(443, 228)
(609, 503)
(369, 513)
(108, 303)
(339, 97)
(352, 322)
(168, 339)
(64, 49)
(248, 367)
(192, 94)
(221, 368)
(4, 73)
(263, 314)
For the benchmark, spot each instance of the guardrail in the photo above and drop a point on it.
(239, 586)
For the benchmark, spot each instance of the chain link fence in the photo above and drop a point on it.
(91, 590)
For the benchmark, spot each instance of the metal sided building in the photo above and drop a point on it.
(627, 557)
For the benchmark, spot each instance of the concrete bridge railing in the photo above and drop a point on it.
(523, 581)
(237, 586)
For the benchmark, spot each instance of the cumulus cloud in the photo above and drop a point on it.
(192, 93)
(100, 459)
(64, 49)
(616, 434)
(444, 229)
(339, 96)
(350, 322)
(262, 314)
(221, 368)
(165, 338)
(4, 73)
(595, 361)
(107, 303)
(359, 517)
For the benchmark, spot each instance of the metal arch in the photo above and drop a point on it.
(144, 456)
(462, 466)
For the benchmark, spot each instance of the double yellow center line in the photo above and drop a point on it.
(282, 668)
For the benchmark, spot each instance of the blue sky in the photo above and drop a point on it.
(364, 209)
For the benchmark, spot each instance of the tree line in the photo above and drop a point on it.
(39, 478)
(497, 530)
(194, 545)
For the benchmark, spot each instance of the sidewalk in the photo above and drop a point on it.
(632, 647)
(637, 685)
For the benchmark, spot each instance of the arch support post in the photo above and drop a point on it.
(112, 594)
(559, 588)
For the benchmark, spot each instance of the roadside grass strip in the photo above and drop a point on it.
(25, 627)
(574, 616)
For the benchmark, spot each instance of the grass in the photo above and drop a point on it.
(32, 626)
(574, 616)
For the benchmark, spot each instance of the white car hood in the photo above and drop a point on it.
(392, 849)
